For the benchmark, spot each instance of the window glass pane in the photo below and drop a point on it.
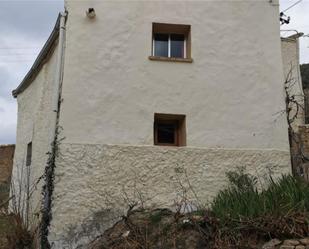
(161, 45)
(166, 133)
(177, 46)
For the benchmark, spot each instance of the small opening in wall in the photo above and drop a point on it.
(29, 154)
(169, 129)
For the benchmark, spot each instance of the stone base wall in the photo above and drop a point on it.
(95, 184)
(287, 244)
(6, 165)
(300, 152)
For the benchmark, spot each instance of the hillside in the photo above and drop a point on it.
(164, 229)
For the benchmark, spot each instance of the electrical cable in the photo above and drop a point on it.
(292, 6)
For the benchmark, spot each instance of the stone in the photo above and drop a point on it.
(271, 244)
(125, 234)
(287, 247)
(291, 242)
(300, 247)
(197, 218)
(304, 241)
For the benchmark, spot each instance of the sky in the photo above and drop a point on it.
(24, 28)
(26, 25)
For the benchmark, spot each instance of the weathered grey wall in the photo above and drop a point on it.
(293, 85)
(34, 119)
(291, 71)
(303, 167)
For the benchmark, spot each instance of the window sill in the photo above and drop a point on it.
(159, 58)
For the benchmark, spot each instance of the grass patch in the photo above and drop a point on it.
(280, 209)
(242, 198)
(155, 218)
(242, 216)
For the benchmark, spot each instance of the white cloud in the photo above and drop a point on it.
(23, 39)
(300, 22)
(14, 64)
(7, 122)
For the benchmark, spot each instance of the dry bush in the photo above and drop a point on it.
(19, 237)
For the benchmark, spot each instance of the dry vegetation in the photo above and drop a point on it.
(240, 217)
(13, 232)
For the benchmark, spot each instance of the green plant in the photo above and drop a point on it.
(286, 195)
(155, 217)
(242, 200)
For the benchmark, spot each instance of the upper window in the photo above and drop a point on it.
(171, 41)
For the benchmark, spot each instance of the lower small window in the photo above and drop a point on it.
(169, 130)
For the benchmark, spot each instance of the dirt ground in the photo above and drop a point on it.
(5, 228)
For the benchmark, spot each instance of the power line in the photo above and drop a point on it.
(284, 19)
(19, 61)
(18, 54)
(292, 5)
(19, 48)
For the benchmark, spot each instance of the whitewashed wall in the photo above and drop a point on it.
(96, 183)
(34, 119)
(231, 95)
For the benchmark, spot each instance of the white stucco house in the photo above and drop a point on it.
(145, 95)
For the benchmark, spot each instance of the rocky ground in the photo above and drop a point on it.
(161, 228)
(287, 244)
(164, 229)
(153, 229)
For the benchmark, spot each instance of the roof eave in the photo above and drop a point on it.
(39, 60)
(293, 37)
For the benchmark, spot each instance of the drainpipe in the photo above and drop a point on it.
(59, 77)
(49, 174)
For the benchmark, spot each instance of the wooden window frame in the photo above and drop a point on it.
(170, 29)
(179, 122)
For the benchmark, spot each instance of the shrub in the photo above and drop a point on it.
(19, 236)
(241, 199)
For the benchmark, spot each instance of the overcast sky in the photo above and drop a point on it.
(25, 26)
